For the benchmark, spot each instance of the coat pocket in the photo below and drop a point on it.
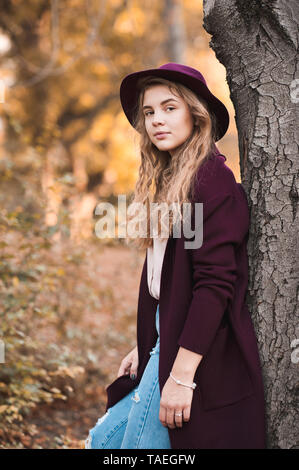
(223, 376)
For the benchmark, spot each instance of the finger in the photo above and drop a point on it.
(170, 418)
(133, 370)
(122, 371)
(178, 419)
(124, 368)
(162, 415)
(135, 363)
(186, 413)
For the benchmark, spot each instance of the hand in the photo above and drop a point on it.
(129, 364)
(175, 398)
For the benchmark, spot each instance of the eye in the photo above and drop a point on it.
(146, 113)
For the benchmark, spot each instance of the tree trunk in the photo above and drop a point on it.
(175, 42)
(258, 48)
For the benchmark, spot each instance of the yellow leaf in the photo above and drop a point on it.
(28, 380)
(87, 99)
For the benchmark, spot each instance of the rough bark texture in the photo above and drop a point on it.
(257, 42)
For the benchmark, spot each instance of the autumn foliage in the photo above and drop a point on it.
(68, 299)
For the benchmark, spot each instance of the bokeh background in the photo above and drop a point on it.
(68, 298)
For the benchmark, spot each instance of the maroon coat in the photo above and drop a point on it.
(202, 308)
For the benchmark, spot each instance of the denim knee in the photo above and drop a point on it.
(88, 440)
(105, 431)
(107, 437)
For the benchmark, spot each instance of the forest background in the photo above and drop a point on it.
(68, 298)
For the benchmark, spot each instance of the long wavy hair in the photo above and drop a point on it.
(165, 179)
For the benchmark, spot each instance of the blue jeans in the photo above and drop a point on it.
(133, 422)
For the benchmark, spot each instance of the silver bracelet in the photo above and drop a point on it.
(181, 383)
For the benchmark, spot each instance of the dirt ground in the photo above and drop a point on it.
(113, 272)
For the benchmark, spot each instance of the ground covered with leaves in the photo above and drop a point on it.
(68, 319)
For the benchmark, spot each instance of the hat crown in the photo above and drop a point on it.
(184, 69)
(187, 76)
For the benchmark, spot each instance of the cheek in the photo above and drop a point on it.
(189, 124)
(183, 123)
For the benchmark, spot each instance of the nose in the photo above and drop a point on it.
(157, 119)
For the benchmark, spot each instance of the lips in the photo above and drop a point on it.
(160, 134)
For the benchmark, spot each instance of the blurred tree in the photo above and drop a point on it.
(66, 61)
(175, 42)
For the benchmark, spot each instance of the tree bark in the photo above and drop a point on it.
(258, 47)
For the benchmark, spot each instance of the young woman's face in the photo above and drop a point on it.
(172, 117)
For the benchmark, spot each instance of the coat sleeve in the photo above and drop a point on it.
(214, 270)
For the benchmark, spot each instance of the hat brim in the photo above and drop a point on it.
(129, 95)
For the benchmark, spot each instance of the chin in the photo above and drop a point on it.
(166, 148)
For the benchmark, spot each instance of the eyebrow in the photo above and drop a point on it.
(162, 102)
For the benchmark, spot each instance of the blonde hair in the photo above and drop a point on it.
(173, 177)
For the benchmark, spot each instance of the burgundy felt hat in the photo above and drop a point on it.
(188, 76)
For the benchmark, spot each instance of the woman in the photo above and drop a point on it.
(194, 379)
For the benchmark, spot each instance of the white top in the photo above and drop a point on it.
(155, 256)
